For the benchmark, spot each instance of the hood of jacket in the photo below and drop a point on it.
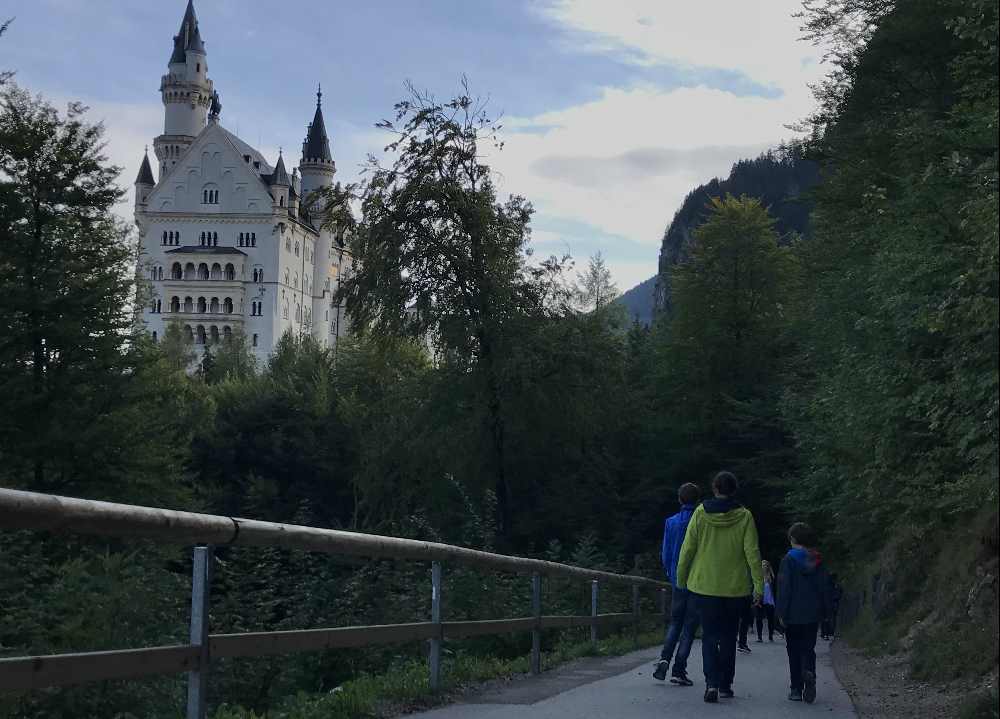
(805, 560)
(723, 512)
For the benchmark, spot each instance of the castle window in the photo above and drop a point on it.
(216, 271)
(255, 339)
(241, 240)
(227, 305)
(210, 195)
(281, 201)
(215, 335)
(295, 284)
(203, 271)
(197, 67)
(164, 238)
(202, 305)
(188, 334)
(200, 335)
(284, 311)
(154, 335)
(159, 273)
(215, 238)
(188, 304)
(296, 249)
(213, 306)
(189, 271)
(175, 304)
(288, 245)
(159, 306)
(227, 333)
(286, 276)
(253, 239)
(230, 272)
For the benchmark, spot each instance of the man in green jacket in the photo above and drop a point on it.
(720, 565)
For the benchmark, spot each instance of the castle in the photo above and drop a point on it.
(228, 246)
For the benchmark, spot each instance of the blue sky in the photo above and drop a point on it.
(614, 111)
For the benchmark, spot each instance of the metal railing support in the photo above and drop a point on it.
(635, 614)
(201, 581)
(434, 658)
(593, 611)
(536, 633)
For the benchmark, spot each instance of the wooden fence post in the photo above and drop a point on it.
(435, 653)
(593, 611)
(536, 633)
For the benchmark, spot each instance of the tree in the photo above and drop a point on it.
(595, 289)
(66, 285)
(438, 254)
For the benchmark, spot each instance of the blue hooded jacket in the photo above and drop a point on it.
(674, 530)
(803, 588)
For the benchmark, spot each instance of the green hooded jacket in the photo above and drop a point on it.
(720, 556)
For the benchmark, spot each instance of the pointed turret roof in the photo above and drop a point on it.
(145, 176)
(188, 37)
(280, 175)
(317, 144)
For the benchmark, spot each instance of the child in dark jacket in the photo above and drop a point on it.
(803, 602)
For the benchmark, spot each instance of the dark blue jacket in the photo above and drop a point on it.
(803, 588)
(674, 530)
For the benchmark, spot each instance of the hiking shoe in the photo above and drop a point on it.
(808, 687)
(711, 695)
(660, 672)
(681, 678)
(795, 695)
(726, 693)
(744, 649)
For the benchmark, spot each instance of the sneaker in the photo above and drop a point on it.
(809, 687)
(660, 672)
(795, 695)
(744, 649)
(726, 693)
(711, 695)
(681, 678)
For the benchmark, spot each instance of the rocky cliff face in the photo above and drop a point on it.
(780, 178)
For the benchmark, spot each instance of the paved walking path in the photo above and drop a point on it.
(623, 688)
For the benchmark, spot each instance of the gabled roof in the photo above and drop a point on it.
(317, 144)
(188, 37)
(145, 176)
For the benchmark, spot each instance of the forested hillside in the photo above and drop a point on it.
(780, 179)
(841, 358)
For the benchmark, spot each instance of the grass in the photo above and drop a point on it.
(405, 684)
(982, 705)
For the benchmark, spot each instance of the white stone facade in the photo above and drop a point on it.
(226, 245)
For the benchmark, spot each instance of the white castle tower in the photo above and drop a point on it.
(229, 246)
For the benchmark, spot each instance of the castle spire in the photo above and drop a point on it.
(145, 176)
(188, 38)
(317, 144)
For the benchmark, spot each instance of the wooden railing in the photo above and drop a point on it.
(28, 510)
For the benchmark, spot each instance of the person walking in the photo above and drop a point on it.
(765, 609)
(746, 619)
(683, 614)
(803, 603)
(720, 565)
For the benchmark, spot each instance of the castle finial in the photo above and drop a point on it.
(319, 94)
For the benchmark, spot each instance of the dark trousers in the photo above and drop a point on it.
(765, 611)
(746, 619)
(680, 632)
(720, 620)
(801, 645)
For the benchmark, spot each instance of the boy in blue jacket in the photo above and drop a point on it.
(803, 603)
(683, 615)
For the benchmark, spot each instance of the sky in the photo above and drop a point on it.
(612, 110)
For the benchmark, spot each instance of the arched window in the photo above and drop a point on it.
(189, 271)
(295, 283)
(202, 305)
(159, 306)
(188, 304)
(203, 271)
(288, 245)
(213, 306)
(216, 271)
(296, 249)
(255, 340)
(227, 333)
(298, 312)
(240, 241)
(227, 305)
(215, 239)
(164, 238)
(188, 334)
(175, 304)
(215, 335)
(286, 276)
(159, 273)
(200, 335)
(152, 306)
(284, 311)
(281, 201)
(253, 239)
(230, 271)
(154, 335)
(201, 239)
(210, 195)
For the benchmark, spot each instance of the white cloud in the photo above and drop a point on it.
(624, 162)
